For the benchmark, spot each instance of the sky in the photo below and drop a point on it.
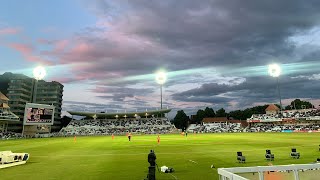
(215, 52)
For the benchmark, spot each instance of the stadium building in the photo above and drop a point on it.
(21, 89)
(300, 120)
(147, 122)
(6, 116)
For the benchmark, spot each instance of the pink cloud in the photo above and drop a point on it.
(27, 52)
(9, 31)
(108, 48)
(98, 57)
(61, 45)
(82, 48)
(22, 48)
(67, 79)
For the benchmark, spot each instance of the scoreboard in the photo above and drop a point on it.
(38, 114)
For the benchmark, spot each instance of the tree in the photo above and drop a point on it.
(200, 115)
(237, 114)
(260, 109)
(181, 120)
(221, 113)
(209, 112)
(298, 104)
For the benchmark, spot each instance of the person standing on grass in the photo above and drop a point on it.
(112, 137)
(158, 139)
(129, 136)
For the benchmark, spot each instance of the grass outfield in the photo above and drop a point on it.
(191, 157)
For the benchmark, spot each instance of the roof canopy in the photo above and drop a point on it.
(3, 97)
(272, 107)
(119, 115)
(4, 105)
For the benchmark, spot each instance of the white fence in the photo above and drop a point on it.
(230, 173)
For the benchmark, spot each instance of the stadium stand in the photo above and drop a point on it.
(301, 114)
(216, 125)
(118, 126)
(10, 135)
(283, 128)
(6, 116)
(303, 120)
(5, 113)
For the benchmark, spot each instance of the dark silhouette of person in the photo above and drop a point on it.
(152, 168)
(152, 158)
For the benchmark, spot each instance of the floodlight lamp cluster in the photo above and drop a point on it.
(161, 77)
(39, 73)
(274, 70)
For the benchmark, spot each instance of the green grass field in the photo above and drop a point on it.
(100, 157)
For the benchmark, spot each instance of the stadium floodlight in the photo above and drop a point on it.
(39, 73)
(161, 78)
(275, 71)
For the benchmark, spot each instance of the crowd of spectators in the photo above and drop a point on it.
(281, 128)
(258, 127)
(287, 114)
(10, 135)
(108, 127)
(215, 127)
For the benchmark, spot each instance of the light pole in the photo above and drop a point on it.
(38, 73)
(275, 71)
(161, 78)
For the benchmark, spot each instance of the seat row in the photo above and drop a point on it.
(269, 156)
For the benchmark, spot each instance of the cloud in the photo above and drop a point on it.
(309, 77)
(253, 90)
(138, 38)
(28, 52)
(87, 106)
(119, 94)
(9, 31)
(208, 46)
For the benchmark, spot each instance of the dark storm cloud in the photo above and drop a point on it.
(208, 32)
(254, 89)
(134, 38)
(120, 93)
(71, 103)
(211, 31)
(87, 106)
(226, 33)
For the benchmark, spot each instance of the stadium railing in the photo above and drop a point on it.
(230, 173)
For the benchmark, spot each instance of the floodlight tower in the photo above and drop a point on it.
(161, 78)
(275, 71)
(38, 73)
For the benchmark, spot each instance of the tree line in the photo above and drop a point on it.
(181, 120)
